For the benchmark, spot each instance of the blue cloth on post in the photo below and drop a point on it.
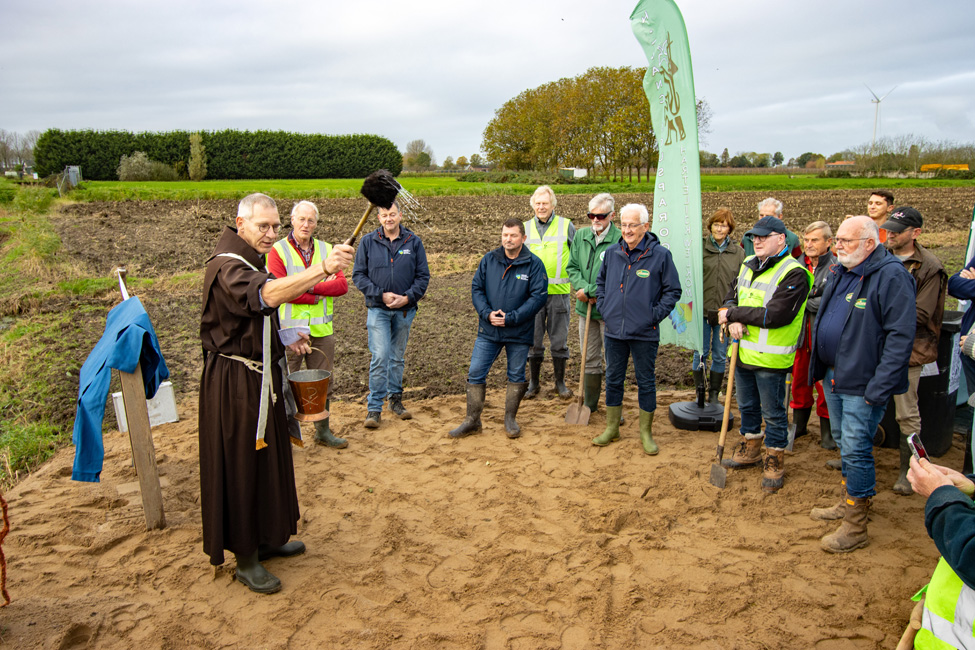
(128, 341)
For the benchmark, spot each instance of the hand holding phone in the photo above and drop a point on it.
(917, 448)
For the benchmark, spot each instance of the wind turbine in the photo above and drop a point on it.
(876, 113)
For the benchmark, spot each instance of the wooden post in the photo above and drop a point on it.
(143, 451)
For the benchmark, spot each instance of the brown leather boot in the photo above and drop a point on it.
(832, 513)
(852, 533)
(829, 514)
(747, 453)
(773, 470)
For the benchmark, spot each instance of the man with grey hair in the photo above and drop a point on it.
(585, 260)
(862, 342)
(771, 207)
(312, 309)
(818, 259)
(637, 287)
(550, 238)
(247, 483)
(764, 311)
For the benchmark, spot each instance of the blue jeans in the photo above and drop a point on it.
(644, 355)
(388, 334)
(854, 423)
(714, 346)
(486, 352)
(761, 395)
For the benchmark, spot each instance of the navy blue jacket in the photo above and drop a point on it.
(964, 289)
(398, 266)
(518, 287)
(949, 516)
(878, 333)
(634, 297)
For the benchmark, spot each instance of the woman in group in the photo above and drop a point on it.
(722, 258)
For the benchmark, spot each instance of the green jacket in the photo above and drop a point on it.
(720, 270)
(585, 260)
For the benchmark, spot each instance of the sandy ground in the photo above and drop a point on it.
(419, 541)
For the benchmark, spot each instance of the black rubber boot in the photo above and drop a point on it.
(592, 386)
(800, 417)
(715, 379)
(291, 549)
(558, 366)
(253, 574)
(826, 434)
(903, 486)
(511, 401)
(475, 404)
(323, 434)
(534, 371)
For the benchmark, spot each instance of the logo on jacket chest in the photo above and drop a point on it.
(643, 273)
(521, 276)
(403, 251)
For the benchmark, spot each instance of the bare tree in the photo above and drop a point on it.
(418, 156)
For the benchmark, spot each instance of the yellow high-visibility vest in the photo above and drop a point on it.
(769, 348)
(949, 612)
(317, 316)
(553, 249)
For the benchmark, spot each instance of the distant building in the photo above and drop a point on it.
(573, 172)
(841, 164)
(933, 168)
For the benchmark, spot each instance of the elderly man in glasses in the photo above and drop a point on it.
(550, 238)
(764, 311)
(247, 480)
(861, 346)
(585, 260)
(638, 286)
(313, 309)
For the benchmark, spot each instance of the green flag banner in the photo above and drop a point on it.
(669, 85)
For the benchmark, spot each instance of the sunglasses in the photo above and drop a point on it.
(594, 215)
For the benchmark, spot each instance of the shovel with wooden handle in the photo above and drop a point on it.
(718, 473)
(579, 413)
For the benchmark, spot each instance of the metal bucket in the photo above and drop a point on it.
(310, 388)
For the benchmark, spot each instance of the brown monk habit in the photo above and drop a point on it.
(248, 496)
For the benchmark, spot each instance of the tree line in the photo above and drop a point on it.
(599, 120)
(17, 150)
(230, 154)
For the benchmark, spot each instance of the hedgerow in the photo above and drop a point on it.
(230, 154)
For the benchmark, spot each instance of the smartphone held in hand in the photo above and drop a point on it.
(917, 448)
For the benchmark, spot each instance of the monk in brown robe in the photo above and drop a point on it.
(247, 481)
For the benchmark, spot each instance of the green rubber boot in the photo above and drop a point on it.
(646, 432)
(612, 432)
(323, 434)
(592, 385)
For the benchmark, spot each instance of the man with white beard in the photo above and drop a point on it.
(862, 342)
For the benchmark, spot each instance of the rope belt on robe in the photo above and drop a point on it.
(264, 368)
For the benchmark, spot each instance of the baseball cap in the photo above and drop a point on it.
(903, 218)
(767, 226)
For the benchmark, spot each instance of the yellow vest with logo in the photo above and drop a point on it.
(769, 348)
(318, 316)
(553, 249)
(949, 612)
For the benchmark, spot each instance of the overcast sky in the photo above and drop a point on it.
(779, 76)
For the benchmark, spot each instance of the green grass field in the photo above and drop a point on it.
(450, 186)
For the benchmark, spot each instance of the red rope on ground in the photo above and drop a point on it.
(3, 560)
